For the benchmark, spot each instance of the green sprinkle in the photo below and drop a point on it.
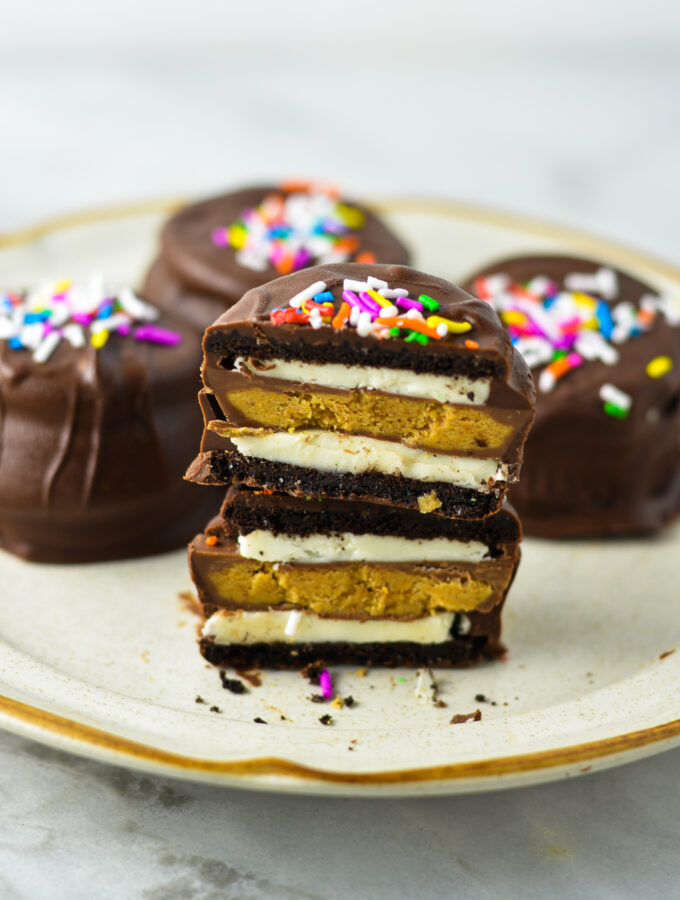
(618, 412)
(429, 303)
(559, 354)
(401, 680)
(417, 336)
(395, 332)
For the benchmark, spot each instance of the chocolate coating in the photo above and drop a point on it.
(93, 444)
(586, 473)
(196, 277)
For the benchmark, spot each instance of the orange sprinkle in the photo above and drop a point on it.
(411, 324)
(285, 265)
(559, 367)
(211, 540)
(348, 244)
(471, 345)
(366, 257)
(293, 185)
(646, 316)
(341, 316)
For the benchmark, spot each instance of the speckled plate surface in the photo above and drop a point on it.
(101, 659)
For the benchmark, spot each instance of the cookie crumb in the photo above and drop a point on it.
(429, 502)
(666, 653)
(215, 709)
(316, 698)
(312, 672)
(232, 684)
(199, 699)
(361, 673)
(326, 719)
(350, 701)
(259, 721)
(475, 716)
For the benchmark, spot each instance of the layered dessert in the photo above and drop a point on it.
(369, 383)
(285, 581)
(214, 251)
(604, 348)
(97, 416)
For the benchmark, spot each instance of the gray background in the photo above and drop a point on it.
(568, 112)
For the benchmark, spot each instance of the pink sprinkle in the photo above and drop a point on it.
(82, 318)
(407, 303)
(302, 258)
(155, 335)
(574, 359)
(219, 237)
(351, 298)
(326, 684)
(124, 329)
(369, 303)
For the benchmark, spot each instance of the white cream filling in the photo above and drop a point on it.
(348, 547)
(268, 626)
(330, 452)
(444, 388)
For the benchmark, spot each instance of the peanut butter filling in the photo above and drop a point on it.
(415, 422)
(348, 590)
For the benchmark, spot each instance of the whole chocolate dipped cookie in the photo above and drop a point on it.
(214, 251)
(374, 383)
(603, 454)
(97, 416)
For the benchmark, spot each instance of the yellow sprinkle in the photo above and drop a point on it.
(583, 300)
(338, 702)
(513, 318)
(237, 236)
(378, 298)
(454, 327)
(99, 338)
(62, 286)
(593, 324)
(659, 366)
(353, 218)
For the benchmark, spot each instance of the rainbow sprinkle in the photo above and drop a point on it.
(39, 320)
(372, 308)
(559, 330)
(292, 230)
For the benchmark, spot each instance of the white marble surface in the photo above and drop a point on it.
(576, 125)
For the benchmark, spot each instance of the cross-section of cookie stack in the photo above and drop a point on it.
(366, 421)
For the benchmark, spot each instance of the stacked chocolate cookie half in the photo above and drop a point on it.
(365, 422)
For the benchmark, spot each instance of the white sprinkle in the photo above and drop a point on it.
(364, 325)
(350, 285)
(591, 345)
(535, 350)
(315, 319)
(376, 283)
(354, 314)
(74, 335)
(47, 347)
(31, 335)
(392, 294)
(135, 307)
(495, 284)
(611, 394)
(109, 324)
(251, 260)
(546, 381)
(603, 282)
(308, 294)
(539, 285)
(7, 329)
(292, 623)
(388, 312)
(414, 314)
(442, 329)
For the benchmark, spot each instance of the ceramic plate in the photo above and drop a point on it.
(101, 659)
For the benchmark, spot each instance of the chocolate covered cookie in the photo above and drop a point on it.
(214, 251)
(97, 422)
(604, 347)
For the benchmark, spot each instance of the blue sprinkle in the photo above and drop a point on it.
(324, 297)
(549, 301)
(105, 311)
(32, 317)
(604, 318)
(15, 343)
